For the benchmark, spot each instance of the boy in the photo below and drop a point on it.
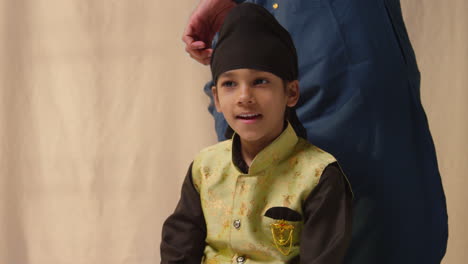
(266, 195)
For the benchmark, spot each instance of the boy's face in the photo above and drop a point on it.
(254, 102)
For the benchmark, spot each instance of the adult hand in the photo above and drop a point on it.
(203, 24)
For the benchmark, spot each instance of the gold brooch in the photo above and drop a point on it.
(282, 236)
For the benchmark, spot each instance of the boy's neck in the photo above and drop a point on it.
(250, 149)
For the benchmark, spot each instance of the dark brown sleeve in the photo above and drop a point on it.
(184, 232)
(327, 219)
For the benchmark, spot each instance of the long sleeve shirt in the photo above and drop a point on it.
(326, 228)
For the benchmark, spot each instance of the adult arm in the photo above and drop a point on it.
(327, 219)
(203, 24)
(184, 232)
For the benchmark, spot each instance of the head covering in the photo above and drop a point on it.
(252, 38)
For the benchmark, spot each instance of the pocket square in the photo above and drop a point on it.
(283, 213)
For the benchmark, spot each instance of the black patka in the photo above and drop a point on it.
(252, 38)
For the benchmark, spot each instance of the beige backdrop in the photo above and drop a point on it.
(101, 112)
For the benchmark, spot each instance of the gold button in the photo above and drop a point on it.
(275, 5)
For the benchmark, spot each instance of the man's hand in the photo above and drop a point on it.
(203, 24)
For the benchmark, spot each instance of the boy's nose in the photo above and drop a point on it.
(245, 95)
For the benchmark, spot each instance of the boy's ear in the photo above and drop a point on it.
(292, 92)
(214, 91)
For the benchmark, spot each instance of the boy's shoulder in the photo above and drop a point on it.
(219, 154)
(305, 148)
(218, 149)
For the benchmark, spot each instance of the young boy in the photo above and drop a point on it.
(266, 195)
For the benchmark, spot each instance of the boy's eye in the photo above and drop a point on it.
(260, 81)
(227, 83)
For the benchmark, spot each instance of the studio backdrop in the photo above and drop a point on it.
(102, 111)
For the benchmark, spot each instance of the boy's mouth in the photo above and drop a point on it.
(248, 116)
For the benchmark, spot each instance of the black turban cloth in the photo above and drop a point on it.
(251, 38)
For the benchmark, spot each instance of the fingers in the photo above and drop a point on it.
(198, 45)
(187, 39)
(189, 35)
(202, 56)
(196, 48)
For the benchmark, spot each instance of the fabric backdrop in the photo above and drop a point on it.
(101, 112)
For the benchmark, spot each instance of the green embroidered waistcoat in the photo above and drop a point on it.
(234, 204)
